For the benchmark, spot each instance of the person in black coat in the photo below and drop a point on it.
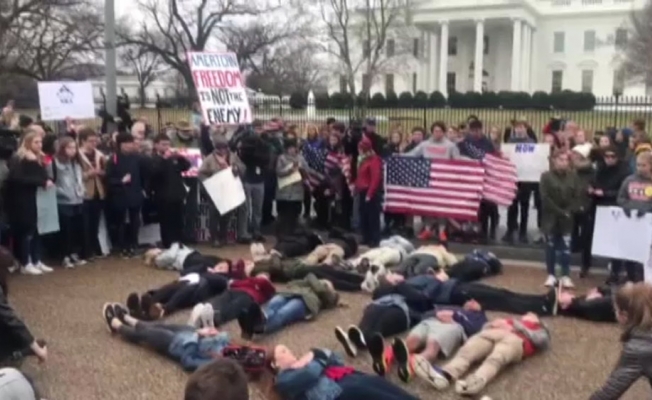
(27, 172)
(16, 340)
(125, 176)
(255, 154)
(167, 189)
(610, 175)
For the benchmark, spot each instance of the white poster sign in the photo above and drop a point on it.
(621, 237)
(46, 210)
(225, 189)
(531, 159)
(220, 87)
(61, 100)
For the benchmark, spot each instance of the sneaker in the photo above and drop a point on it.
(403, 359)
(430, 373)
(195, 316)
(471, 385)
(551, 281)
(246, 325)
(120, 312)
(425, 234)
(258, 318)
(356, 337)
(133, 305)
(552, 302)
(346, 343)
(44, 268)
(146, 304)
(13, 268)
(67, 263)
(376, 347)
(207, 315)
(30, 269)
(156, 311)
(566, 282)
(78, 261)
(131, 253)
(125, 254)
(108, 312)
(442, 237)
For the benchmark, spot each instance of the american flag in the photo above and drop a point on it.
(321, 161)
(434, 188)
(500, 180)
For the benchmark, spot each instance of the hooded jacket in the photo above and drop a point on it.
(636, 193)
(431, 148)
(560, 192)
(68, 177)
(314, 293)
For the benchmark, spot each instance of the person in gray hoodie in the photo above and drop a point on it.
(67, 173)
(438, 146)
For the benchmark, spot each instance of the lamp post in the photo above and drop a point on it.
(110, 58)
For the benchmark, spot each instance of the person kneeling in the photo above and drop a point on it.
(300, 300)
(501, 342)
(320, 374)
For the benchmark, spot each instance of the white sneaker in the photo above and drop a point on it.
(13, 268)
(195, 316)
(67, 263)
(30, 269)
(566, 282)
(44, 268)
(206, 316)
(551, 281)
(77, 261)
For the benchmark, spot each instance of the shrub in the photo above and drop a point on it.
(341, 101)
(437, 99)
(377, 101)
(298, 100)
(322, 100)
(391, 100)
(420, 99)
(405, 100)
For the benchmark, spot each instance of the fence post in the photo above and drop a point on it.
(617, 100)
(425, 117)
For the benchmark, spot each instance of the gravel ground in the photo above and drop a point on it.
(86, 363)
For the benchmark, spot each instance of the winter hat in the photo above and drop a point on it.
(583, 149)
(365, 144)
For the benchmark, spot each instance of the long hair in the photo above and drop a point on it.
(634, 301)
(61, 155)
(25, 148)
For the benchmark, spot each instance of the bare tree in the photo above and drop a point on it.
(145, 65)
(637, 52)
(172, 28)
(368, 37)
(52, 43)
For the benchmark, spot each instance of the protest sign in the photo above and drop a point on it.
(220, 87)
(46, 211)
(226, 190)
(531, 159)
(621, 237)
(61, 100)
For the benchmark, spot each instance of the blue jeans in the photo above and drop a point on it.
(558, 246)
(30, 248)
(282, 311)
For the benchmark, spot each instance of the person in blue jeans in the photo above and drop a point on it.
(321, 374)
(187, 345)
(300, 300)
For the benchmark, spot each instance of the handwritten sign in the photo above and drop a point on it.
(621, 237)
(220, 87)
(531, 159)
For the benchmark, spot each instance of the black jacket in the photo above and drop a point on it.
(25, 177)
(166, 182)
(255, 154)
(609, 179)
(123, 195)
(14, 335)
(346, 241)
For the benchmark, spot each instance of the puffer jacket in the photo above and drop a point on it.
(314, 293)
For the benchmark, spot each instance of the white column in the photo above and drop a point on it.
(424, 63)
(516, 56)
(443, 58)
(479, 54)
(526, 45)
(432, 56)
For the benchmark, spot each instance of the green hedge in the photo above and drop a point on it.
(565, 100)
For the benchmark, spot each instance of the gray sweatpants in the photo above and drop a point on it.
(14, 385)
(255, 193)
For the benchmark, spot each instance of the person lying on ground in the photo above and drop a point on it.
(424, 258)
(500, 343)
(239, 296)
(299, 300)
(632, 302)
(597, 305)
(183, 259)
(296, 244)
(16, 385)
(185, 292)
(286, 270)
(222, 379)
(476, 265)
(320, 374)
(16, 340)
(440, 332)
(338, 246)
(186, 345)
(390, 252)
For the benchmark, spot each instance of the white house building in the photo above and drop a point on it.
(165, 87)
(515, 45)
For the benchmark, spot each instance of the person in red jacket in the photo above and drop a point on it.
(368, 188)
(240, 295)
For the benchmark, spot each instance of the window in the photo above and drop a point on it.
(619, 82)
(389, 83)
(587, 81)
(415, 47)
(558, 42)
(366, 83)
(621, 38)
(450, 82)
(390, 48)
(344, 85)
(557, 80)
(485, 45)
(452, 46)
(414, 82)
(589, 40)
(366, 49)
